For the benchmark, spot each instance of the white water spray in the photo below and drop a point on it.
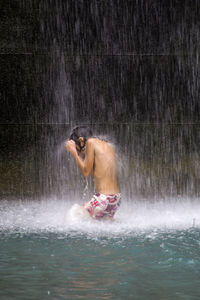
(53, 215)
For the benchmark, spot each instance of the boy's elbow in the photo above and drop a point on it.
(86, 173)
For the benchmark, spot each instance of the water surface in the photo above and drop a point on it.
(150, 251)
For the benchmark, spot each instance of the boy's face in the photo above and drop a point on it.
(81, 148)
(78, 148)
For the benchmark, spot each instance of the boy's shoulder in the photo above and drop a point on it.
(99, 145)
(96, 143)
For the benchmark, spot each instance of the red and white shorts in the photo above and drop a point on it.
(103, 205)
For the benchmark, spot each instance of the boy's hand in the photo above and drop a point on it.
(71, 147)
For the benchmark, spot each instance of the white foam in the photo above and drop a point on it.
(53, 215)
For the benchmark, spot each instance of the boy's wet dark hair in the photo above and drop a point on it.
(81, 131)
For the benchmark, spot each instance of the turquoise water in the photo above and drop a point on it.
(150, 251)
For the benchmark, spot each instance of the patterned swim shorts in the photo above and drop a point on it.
(103, 205)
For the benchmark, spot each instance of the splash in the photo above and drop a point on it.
(53, 215)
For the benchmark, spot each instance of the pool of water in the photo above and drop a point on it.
(150, 251)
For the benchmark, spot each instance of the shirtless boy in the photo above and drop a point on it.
(96, 156)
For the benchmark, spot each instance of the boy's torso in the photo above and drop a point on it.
(104, 167)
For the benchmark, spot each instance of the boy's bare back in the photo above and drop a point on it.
(104, 166)
(100, 159)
